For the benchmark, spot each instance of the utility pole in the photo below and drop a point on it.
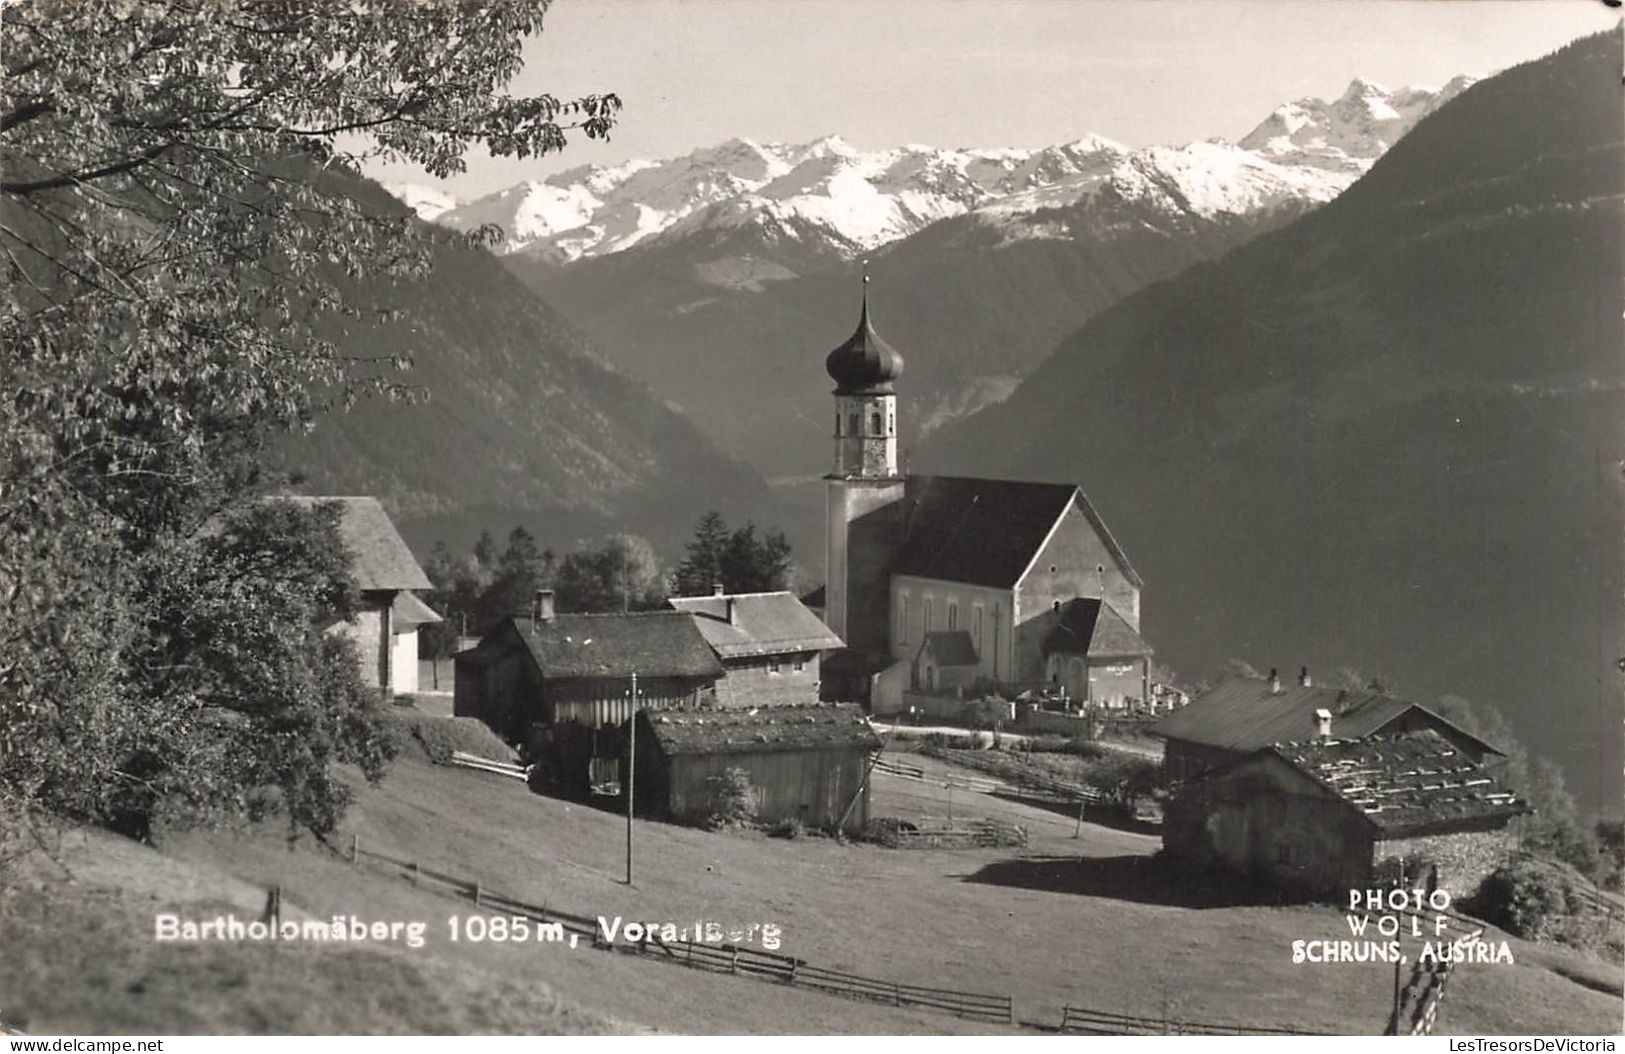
(631, 772)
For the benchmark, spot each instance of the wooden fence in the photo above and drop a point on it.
(950, 834)
(718, 958)
(1108, 1023)
(1021, 782)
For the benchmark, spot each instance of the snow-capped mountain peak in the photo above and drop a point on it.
(850, 200)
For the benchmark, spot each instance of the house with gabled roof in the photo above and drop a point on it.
(770, 646)
(385, 630)
(1331, 815)
(1245, 714)
(911, 555)
(553, 669)
(1096, 657)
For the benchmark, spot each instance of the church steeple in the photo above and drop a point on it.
(863, 369)
(865, 364)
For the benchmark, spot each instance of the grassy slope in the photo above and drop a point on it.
(1041, 922)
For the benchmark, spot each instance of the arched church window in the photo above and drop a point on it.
(874, 423)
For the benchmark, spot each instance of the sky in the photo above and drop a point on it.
(990, 73)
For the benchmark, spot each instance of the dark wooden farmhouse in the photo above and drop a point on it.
(564, 669)
(804, 762)
(1245, 714)
(1335, 815)
(769, 644)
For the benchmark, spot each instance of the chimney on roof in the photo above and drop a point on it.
(1323, 724)
(1303, 678)
(716, 589)
(733, 612)
(543, 609)
(1275, 681)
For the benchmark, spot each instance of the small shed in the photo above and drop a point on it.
(946, 662)
(1333, 815)
(804, 762)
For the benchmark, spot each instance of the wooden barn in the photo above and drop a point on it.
(562, 669)
(804, 762)
(1245, 714)
(1333, 815)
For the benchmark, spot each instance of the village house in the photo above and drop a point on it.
(555, 669)
(1096, 657)
(1245, 714)
(770, 646)
(385, 630)
(1332, 815)
(806, 763)
(912, 555)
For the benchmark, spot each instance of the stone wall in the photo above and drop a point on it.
(1464, 859)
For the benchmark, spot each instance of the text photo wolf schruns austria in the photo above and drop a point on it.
(1083, 518)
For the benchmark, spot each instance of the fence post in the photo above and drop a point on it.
(896, 994)
(1010, 1008)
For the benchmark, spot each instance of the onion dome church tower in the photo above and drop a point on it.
(865, 491)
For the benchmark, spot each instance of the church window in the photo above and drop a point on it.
(837, 424)
(976, 628)
(926, 623)
(874, 423)
(902, 618)
(953, 614)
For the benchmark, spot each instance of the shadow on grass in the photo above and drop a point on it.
(1138, 879)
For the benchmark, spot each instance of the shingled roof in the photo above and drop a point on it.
(762, 624)
(950, 647)
(836, 726)
(1244, 714)
(648, 643)
(408, 612)
(1413, 783)
(987, 531)
(381, 559)
(1087, 626)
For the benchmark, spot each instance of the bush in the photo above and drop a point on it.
(733, 800)
(440, 736)
(1526, 899)
(791, 828)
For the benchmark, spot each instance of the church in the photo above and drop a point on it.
(982, 584)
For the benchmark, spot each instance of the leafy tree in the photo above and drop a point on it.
(1555, 829)
(177, 225)
(621, 575)
(485, 553)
